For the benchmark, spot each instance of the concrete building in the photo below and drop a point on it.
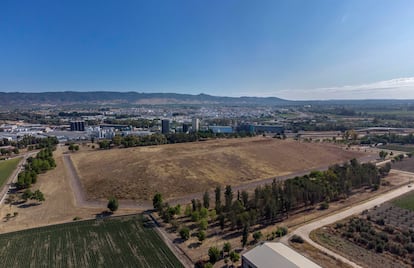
(186, 127)
(221, 129)
(77, 126)
(165, 126)
(270, 255)
(196, 124)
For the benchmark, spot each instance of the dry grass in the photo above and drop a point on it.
(59, 205)
(177, 169)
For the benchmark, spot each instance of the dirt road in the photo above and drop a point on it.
(305, 230)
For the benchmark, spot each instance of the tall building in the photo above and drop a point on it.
(196, 124)
(77, 126)
(165, 126)
(185, 127)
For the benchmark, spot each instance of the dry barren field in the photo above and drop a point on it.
(177, 169)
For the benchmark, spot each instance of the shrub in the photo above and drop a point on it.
(214, 254)
(324, 205)
(234, 256)
(281, 231)
(339, 225)
(201, 236)
(203, 224)
(185, 233)
(297, 239)
(195, 216)
(257, 235)
(379, 248)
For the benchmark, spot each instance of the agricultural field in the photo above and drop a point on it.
(179, 169)
(382, 236)
(405, 202)
(128, 241)
(6, 169)
(398, 147)
(407, 164)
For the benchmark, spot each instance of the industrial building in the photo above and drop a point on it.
(196, 124)
(77, 126)
(270, 255)
(261, 128)
(165, 126)
(186, 127)
(221, 129)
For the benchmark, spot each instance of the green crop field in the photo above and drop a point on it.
(128, 241)
(406, 201)
(6, 168)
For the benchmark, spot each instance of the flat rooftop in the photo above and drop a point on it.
(269, 255)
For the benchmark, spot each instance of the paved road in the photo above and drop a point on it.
(305, 230)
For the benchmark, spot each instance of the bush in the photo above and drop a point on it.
(257, 235)
(281, 231)
(203, 224)
(297, 239)
(339, 225)
(185, 233)
(214, 254)
(113, 204)
(227, 247)
(195, 216)
(201, 236)
(379, 248)
(324, 205)
(234, 256)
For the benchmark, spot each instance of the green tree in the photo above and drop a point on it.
(214, 254)
(245, 198)
(228, 197)
(203, 224)
(227, 247)
(157, 202)
(201, 236)
(245, 235)
(218, 199)
(383, 154)
(113, 204)
(257, 236)
(185, 233)
(206, 200)
(234, 257)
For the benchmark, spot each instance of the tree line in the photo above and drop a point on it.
(31, 142)
(159, 139)
(35, 165)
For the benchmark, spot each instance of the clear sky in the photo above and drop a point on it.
(308, 49)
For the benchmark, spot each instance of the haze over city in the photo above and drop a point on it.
(290, 49)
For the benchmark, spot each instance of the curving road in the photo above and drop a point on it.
(305, 230)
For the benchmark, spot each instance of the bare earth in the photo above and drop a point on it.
(59, 206)
(180, 169)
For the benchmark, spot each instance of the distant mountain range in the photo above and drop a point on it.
(68, 98)
(106, 97)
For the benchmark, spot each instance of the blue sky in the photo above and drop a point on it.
(291, 49)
